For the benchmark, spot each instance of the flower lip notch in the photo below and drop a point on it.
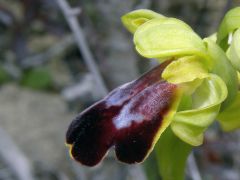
(131, 118)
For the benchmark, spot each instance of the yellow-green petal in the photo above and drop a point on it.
(185, 69)
(136, 18)
(189, 125)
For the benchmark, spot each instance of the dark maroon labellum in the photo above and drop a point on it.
(128, 119)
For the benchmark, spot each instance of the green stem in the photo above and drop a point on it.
(172, 155)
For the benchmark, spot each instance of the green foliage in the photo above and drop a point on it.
(4, 76)
(38, 78)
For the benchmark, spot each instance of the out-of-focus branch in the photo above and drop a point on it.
(70, 16)
(14, 158)
(192, 167)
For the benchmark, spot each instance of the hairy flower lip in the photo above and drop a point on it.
(122, 94)
(129, 119)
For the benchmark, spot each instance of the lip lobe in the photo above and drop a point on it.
(128, 119)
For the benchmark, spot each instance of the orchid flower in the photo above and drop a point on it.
(171, 105)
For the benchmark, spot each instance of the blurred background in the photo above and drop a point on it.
(56, 60)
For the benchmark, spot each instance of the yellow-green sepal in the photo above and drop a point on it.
(189, 125)
(168, 38)
(230, 22)
(224, 69)
(233, 52)
(138, 17)
(229, 119)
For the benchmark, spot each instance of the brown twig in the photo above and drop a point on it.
(70, 16)
(14, 158)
